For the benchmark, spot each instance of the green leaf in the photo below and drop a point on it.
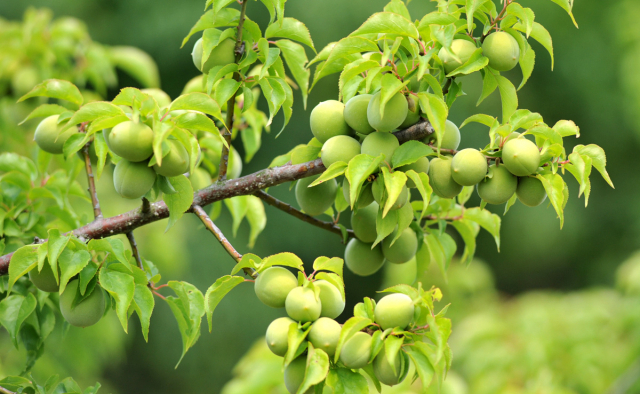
(334, 279)
(392, 346)
(334, 264)
(470, 9)
(58, 89)
(94, 110)
(567, 5)
(71, 263)
(113, 246)
(489, 85)
(580, 168)
(437, 112)
(359, 169)
(393, 183)
(598, 157)
(188, 309)
(256, 217)
(487, 220)
(216, 293)
(197, 101)
(22, 261)
(527, 62)
(566, 128)
(434, 18)
(390, 85)
(196, 121)
(73, 144)
(248, 260)
(409, 153)
(143, 303)
(349, 328)
(238, 208)
(508, 96)
(540, 34)
(555, 187)
(317, 369)
(525, 15)
(296, 59)
(44, 110)
(468, 231)
(421, 180)
(295, 338)
(339, 55)
(14, 310)
(284, 259)
(122, 287)
(436, 252)
(475, 63)
(387, 22)
(292, 29)
(345, 381)
(423, 366)
(179, 202)
(398, 7)
(335, 169)
(137, 64)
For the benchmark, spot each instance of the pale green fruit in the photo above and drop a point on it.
(463, 49)
(23, 80)
(339, 148)
(277, 336)
(331, 299)
(412, 116)
(195, 84)
(48, 136)
(317, 199)
(441, 180)
(355, 113)
(200, 178)
(502, 50)
(132, 141)
(394, 310)
(86, 313)
(530, 191)
(327, 120)
(325, 334)
(356, 351)
(294, 375)
(468, 167)
(420, 166)
(361, 259)
(133, 180)
(221, 55)
(364, 199)
(521, 157)
(380, 195)
(403, 250)
(159, 95)
(302, 305)
(176, 162)
(378, 143)
(273, 286)
(395, 112)
(363, 222)
(387, 374)
(44, 280)
(498, 186)
(450, 138)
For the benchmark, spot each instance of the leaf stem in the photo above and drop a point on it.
(97, 211)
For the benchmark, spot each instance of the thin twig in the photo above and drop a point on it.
(97, 212)
(134, 249)
(283, 206)
(6, 391)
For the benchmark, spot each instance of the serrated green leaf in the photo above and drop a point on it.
(22, 261)
(335, 169)
(188, 309)
(487, 220)
(393, 183)
(295, 338)
(143, 303)
(292, 29)
(385, 225)
(555, 187)
(345, 381)
(197, 101)
(540, 34)
(489, 85)
(58, 89)
(508, 96)
(567, 5)
(248, 260)
(475, 63)
(409, 153)
(44, 110)
(284, 259)
(317, 369)
(423, 366)
(121, 287)
(421, 180)
(14, 310)
(71, 263)
(179, 202)
(598, 157)
(113, 246)
(358, 170)
(437, 112)
(334, 264)
(387, 22)
(296, 59)
(216, 293)
(256, 217)
(468, 231)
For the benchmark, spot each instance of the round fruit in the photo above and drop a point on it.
(468, 167)
(463, 49)
(221, 55)
(48, 135)
(363, 222)
(325, 334)
(441, 180)
(521, 157)
(277, 336)
(412, 116)
(273, 286)
(530, 191)
(381, 197)
(160, 96)
(356, 351)
(403, 250)
(387, 374)
(132, 141)
(339, 148)
(176, 162)
(364, 199)
(422, 165)
(195, 84)
(380, 143)
(502, 50)
(294, 375)
(361, 259)
(317, 199)
(450, 138)
(395, 112)
(498, 186)
(394, 310)
(327, 120)
(200, 178)
(44, 280)
(331, 299)
(302, 305)
(133, 180)
(23, 80)
(86, 313)
(355, 113)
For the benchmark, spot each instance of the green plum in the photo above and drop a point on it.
(468, 167)
(331, 299)
(420, 166)
(521, 156)
(412, 116)
(502, 50)
(395, 112)
(200, 178)
(303, 305)
(361, 259)
(378, 143)
(327, 120)
(273, 286)
(363, 222)
(317, 199)
(530, 191)
(380, 195)
(450, 138)
(44, 280)
(195, 84)
(498, 186)
(325, 334)
(339, 148)
(133, 180)
(463, 49)
(176, 162)
(394, 310)
(356, 351)
(221, 55)
(132, 141)
(355, 113)
(387, 374)
(441, 180)
(403, 250)
(294, 375)
(364, 199)
(277, 336)
(86, 313)
(49, 135)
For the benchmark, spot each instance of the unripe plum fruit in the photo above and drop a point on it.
(221, 55)
(395, 112)
(355, 113)
(379, 142)
(412, 116)
(521, 157)
(176, 162)
(502, 50)
(317, 199)
(450, 138)
(463, 49)
(339, 148)
(44, 280)
(364, 199)
(379, 194)
(403, 250)
(468, 167)
(387, 374)
(421, 165)
(498, 186)
(363, 222)
(132, 141)
(530, 191)
(86, 313)
(441, 180)
(133, 180)
(394, 310)
(294, 375)
(159, 95)
(23, 80)
(356, 351)
(195, 84)
(48, 136)
(277, 336)
(361, 259)
(200, 178)
(327, 120)
(331, 299)
(325, 334)
(273, 286)
(303, 305)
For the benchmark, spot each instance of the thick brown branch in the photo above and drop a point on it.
(134, 249)
(269, 199)
(249, 184)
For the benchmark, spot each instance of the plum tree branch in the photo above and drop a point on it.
(246, 185)
(283, 206)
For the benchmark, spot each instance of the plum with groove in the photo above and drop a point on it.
(378, 143)
(327, 120)
(356, 351)
(521, 156)
(133, 180)
(331, 299)
(363, 222)
(49, 135)
(498, 186)
(361, 259)
(450, 137)
(277, 335)
(325, 334)
(86, 313)
(355, 113)
(132, 141)
(273, 286)
(530, 191)
(462, 49)
(176, 162)
(221, 55)
(502, 50)
(303, 305)
(441, 180)
(339, 148)
(468, 167)
(387, 374)
(317, 199)
(394, 310)
(394, 113)
(44, 280)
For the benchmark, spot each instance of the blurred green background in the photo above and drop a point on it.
(595, 83)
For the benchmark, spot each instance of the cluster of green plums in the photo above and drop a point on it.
(501, 48)
(87, 312)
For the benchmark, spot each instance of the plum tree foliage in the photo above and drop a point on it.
(386, 137)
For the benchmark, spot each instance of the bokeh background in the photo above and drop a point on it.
(545, 301)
